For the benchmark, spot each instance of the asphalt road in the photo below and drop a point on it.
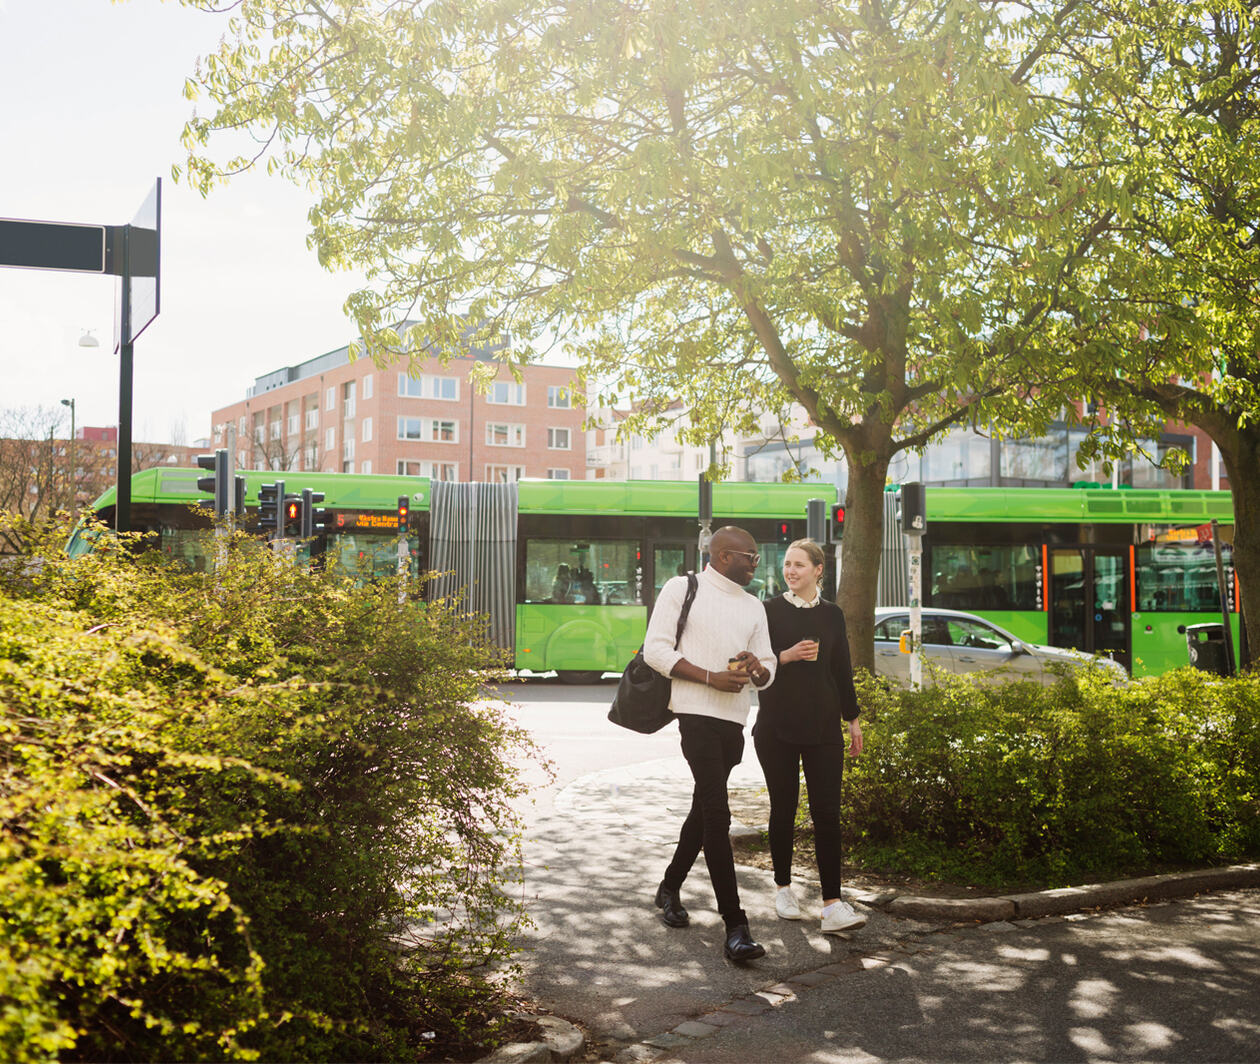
(1178, 981)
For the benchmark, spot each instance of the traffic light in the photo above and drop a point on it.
(705, 501)
(783, 532)
(217, 483)
(270, 503)
(322, 521)
(307, 522)
(238, 496)
(913, 509)
(404, 512)
(292, 516)
(837, 522)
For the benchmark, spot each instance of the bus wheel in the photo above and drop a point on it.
(579, 676)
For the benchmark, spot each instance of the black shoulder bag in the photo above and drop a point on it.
(642, 700)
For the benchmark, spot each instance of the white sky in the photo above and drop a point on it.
(91, 110)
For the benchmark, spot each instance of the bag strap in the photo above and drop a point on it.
(692, 584)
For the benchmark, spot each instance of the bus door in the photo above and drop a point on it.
(1089, 601)
(668, 559)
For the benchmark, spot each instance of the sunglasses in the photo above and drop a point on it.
(756, 558)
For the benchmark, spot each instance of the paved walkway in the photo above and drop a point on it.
(599, 955)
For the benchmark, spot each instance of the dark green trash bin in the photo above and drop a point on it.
(1205, 644)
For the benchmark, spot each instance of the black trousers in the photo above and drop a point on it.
(824, 764)
(712, 748)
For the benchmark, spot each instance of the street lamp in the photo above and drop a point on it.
(74, 480)
(88, 340)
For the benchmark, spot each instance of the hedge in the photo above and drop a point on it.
(254, 816)
(1010, 784)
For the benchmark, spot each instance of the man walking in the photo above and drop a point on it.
(725, 645)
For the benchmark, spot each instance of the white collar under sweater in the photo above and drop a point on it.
(724, 620)
(803, 604)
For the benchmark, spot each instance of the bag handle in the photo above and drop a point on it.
(692, 584)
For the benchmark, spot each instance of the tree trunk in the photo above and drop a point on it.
(1240, 451)
(861, 550)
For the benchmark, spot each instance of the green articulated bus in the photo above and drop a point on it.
(565, 571)
(1114, 572)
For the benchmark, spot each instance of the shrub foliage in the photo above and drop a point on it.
(258, 815)
(1006, 784)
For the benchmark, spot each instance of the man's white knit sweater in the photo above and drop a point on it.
(724, 620)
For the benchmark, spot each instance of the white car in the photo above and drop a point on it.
(958, 643)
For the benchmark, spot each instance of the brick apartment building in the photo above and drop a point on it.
(333, 414)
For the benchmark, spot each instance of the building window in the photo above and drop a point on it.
(312, 419)
(501, 434)
(448, 471)
(293, 424)
(330, 399)
(506, 393)
(557, 397)
(241, 426)
(426, 428)
(311, 457)
(347, 448)
(347, 467)
(347, 399)
(275, 430)
(367, 431)
(367, 466)
(557, 474)
(367, 391)
(428, 386)
(557, 439)
(504, 474)
(330, 440)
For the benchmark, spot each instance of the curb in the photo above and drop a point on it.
(1065, 899)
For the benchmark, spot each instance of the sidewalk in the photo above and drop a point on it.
(600, 956)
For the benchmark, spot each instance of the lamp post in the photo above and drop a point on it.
(74, 479)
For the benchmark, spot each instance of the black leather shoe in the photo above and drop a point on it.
(740, 945)
(672, 911)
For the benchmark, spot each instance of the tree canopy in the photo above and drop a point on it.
(897, 213)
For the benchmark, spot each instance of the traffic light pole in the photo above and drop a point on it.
(915, 555)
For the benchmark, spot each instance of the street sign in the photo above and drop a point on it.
(55, 245)
(142, 287)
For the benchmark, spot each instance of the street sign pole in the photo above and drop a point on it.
(122, 505)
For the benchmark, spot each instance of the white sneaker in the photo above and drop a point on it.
(839, 916)
(785, 904)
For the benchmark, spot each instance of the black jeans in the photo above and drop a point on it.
(712, 748)
(824, 764)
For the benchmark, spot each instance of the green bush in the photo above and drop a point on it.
(1016, 784)
(251, 816)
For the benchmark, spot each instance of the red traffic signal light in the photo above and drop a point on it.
(292, 510)
(404, 512)
(784, 532)
(837, 522)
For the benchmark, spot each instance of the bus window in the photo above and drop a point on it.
(985, 577)
(192, 546)
(1180, 575)
(668, 562)
(364, 557)
(591, 572)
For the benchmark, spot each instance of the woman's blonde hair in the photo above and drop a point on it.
(811, 548)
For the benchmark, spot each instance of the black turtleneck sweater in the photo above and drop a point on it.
(809, 701)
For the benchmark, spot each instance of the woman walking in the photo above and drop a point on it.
(801, 722)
